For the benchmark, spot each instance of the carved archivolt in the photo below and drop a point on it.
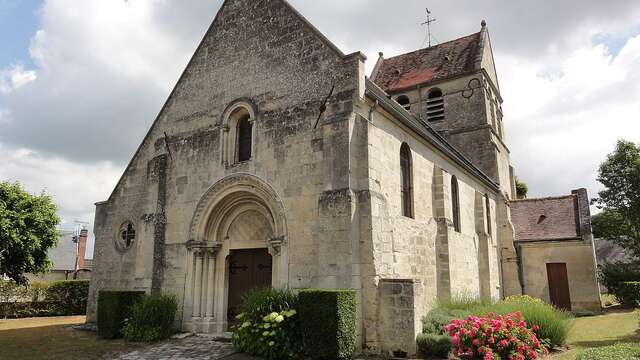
(232, 197)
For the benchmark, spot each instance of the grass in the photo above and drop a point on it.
(53, 338)
(613, 327)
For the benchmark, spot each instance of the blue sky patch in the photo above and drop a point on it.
(19, 22)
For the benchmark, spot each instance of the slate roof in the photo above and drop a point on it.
(553, 218)
(608, 253)
(427, 65)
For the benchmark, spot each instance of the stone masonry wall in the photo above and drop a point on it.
(263, 52)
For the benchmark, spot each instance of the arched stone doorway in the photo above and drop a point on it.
(237, 241)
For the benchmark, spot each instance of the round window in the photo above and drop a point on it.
(126, 236)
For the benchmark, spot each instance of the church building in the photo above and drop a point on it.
(276, 161)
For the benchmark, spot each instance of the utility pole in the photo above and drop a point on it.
(428, 23)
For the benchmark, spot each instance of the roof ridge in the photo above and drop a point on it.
(434, 46)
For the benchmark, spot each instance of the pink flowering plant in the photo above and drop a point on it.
(495, 337)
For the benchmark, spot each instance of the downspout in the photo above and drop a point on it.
(520, 270)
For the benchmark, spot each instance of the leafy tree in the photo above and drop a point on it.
(620, 200)
(521, 189)
(27, 231)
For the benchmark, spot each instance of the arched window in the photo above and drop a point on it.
(406, 181)
(435, 105)
(404, 101)
(244, 138)
(455, 203)
(488, 210)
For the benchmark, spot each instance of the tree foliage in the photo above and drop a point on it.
(521, 189)
(620, 200)
(27, 231)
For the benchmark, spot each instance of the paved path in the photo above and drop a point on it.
(189, 348)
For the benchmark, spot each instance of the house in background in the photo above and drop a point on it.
(67, 258)
(555, 246)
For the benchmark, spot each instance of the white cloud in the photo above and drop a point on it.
(561, 128)
(15, 77)
(74, 187)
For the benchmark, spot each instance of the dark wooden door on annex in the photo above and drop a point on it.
(559, 285)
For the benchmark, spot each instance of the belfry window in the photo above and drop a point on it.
(244, 139)
(455, 203)
(435, 105)
(406, 181)
(404, 101)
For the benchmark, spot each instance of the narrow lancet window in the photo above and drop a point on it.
(406, 180)
(455, 203)
(244, 139)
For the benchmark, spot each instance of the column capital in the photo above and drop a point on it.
(276, 243)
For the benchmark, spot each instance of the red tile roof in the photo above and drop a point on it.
(553, 218)
(426, 65)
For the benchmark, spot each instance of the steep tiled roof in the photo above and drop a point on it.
(553, 218)
(426, 65)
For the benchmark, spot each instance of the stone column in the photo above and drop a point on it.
(197, 291)
(211, 253)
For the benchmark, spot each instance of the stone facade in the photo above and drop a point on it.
(321, 190)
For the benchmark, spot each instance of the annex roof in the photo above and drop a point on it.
(552, 218)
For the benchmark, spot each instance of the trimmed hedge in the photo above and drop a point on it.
(113, 308)
(71, 295)
(629, 293)
(26, 309)
(433, 345)
(328, 323)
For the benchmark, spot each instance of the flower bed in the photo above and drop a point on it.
(495, 337)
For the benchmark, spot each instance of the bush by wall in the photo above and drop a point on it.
(328, 321)
(71, 296)
(433, 346)
(113, 308)
(151, 318)
(629, 293)
(269, 325)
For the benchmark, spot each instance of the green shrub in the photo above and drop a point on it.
(270, 325)
(436, 319)
(612, 352)
(328, 320)
(613, 275)
(113, 308)
(433, 346)
(71, 295)
(629, 293)
(259, 302)
(554, 324)
(151, 318)
(10, 291)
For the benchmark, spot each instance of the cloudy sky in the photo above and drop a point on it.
(82, 80)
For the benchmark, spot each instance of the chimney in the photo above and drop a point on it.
(583, 213)
(82, 248)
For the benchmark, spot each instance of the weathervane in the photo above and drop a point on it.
(428, 23)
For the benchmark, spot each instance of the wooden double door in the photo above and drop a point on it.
(248, 269)
(559, 285)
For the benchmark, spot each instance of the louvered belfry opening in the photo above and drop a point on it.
(244, 139)
(435, 105)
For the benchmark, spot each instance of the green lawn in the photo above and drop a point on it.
(53, 338)
(602, 330)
